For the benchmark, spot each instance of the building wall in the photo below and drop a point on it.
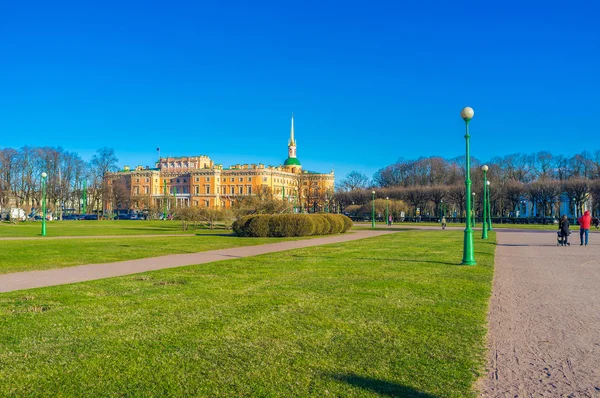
(197, 181)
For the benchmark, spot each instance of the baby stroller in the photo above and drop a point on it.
(561, 240)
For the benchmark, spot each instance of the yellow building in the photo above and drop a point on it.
(198, 181)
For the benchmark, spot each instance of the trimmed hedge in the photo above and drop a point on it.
(283, 225)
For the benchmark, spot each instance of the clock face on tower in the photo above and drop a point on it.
(292, 152)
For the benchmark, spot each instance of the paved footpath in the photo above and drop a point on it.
(60, 276)
(544, 319)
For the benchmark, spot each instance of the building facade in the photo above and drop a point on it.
(198, 181)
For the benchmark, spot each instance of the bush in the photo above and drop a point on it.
(240, 226)
(305, 225)
(258, 226)
(323, 225)
(336, 223)
(347, 223)
(282, 225)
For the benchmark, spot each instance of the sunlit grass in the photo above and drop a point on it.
(394, 315)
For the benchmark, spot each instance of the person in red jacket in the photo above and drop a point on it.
(584, 226)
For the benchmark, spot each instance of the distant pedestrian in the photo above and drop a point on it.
(444, 222)
(390, 220)
(584, 226)
(563, 226)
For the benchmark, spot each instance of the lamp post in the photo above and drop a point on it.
(387, 210)
(467, 114)
(489, 204)
(44, 176)
(84, 197)
(484, 230)
(473, 210)
(166, 198)
(373, 211)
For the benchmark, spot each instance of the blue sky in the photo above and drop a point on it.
(368, 82)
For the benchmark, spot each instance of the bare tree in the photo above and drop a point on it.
(353, 181)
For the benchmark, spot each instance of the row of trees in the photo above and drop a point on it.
(506, 197)
(520, 167)
(541, 178)
(21, 174)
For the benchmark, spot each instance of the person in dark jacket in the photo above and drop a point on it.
(563, 226)
(584, 226)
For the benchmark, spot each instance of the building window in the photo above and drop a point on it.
(197, 179)
(241, 189)
(184, 180)
(196, 203)
(146, 190)
(136, 191)
(249, 189)
(137, 180)
(207, 179)
(207, 188)
(178, 180)
(249, 179)
(264, 179)
(241, 179)
(232, 190)
(206, 203)
(197, 189)
(232, 179)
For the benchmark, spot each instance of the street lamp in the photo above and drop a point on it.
(44, 176)
(373, 211)
(165, 199)
(484, 230)
(467, 114)
(387, 210)
(489, 204)
(473, 210)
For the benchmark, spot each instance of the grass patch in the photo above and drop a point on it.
(98, 228)
(393, 315)
(412, 225)
(39, 254)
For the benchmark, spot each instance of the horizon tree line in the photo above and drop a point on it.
(434, 184)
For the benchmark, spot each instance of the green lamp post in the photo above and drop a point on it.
(387, 210)
(165, 200)
(373, 211)
(44, 176)
(484, 229)
(84, 198)
(489, 204)
(473, 211)
(467, 114)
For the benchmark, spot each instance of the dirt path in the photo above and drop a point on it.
(60, 276)
(544, 320)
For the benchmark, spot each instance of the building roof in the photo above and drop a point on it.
(291, 162)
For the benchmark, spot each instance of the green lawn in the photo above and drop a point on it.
(391, 316)
(38, 254)
(408, 225)
(96, 228)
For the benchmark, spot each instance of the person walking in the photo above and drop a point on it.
(563, 226)
(444, 222)
(584, 226)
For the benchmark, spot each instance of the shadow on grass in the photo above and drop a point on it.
(382, 387)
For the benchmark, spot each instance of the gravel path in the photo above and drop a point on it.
(60, 276)
(544, 320)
